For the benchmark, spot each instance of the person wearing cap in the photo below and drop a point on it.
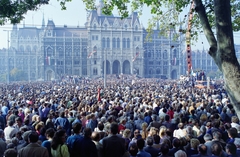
(33, 149)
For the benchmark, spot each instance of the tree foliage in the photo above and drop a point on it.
(168, 12)
(13, 11)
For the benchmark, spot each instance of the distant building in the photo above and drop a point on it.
(50, 52)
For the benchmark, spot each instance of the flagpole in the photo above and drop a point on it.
(105, 67)
(8, 80)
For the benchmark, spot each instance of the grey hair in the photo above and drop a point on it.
(180, 153)
(203, 129)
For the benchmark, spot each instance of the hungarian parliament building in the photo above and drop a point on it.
(50, 52)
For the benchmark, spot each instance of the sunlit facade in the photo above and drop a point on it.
(50, 52)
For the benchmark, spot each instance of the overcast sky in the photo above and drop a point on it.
(73, 16)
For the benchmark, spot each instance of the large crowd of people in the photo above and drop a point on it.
(129, 117)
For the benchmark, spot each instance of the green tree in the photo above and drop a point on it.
(17, 75)
(14, 10)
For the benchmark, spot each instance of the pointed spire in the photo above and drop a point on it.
(158, 25)
(43, 21)
(99, 7)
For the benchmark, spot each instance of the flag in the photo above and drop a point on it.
(90, 54)
(99, 94)
(137, 54)
(48, 60)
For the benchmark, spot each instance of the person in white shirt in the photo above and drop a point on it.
(10, 131)
(181, 132)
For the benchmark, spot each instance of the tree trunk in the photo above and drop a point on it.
(226, 56)
(222, 49)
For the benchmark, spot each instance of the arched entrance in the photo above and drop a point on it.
(116, 67)
(126, 67)
(107, 67)
(50, 75)
(174, 74)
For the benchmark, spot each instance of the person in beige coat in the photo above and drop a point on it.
(33, 149)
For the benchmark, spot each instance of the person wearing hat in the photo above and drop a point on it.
(33, 148)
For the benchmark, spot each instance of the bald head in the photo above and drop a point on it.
(95, 136)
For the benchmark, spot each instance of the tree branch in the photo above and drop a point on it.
(206, 27)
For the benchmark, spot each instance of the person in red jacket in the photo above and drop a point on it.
(170, 112)
(122, 126)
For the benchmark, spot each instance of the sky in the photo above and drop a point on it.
(74, 15)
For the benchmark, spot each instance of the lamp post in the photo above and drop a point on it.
(7, 55)
(105, 68)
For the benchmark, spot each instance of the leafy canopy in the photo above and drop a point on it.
(14, 10)
(169, 13)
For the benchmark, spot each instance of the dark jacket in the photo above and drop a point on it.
(113, 146)
(85, 147)
(153, 151)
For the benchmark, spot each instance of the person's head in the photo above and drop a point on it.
(10, 123)
(140, 143)
(156, 139)
(96, 136)
(127, 133)
(149, 141)
(136, 133)
(49, 133)
(18, 121)
(11, 153)
(144, 126)
(100, 126)
(180, 125)
(62, 114)
(176, 143)
(164, 149)
(194, 143)
(33, 137)
(232, 133)
(59, 138)
(77, 127)
(87, 132)
(114, 128)
(235, 119)
(180, 153)
(207, 137)
(231, 149)
(216, 149)
(203, 129)
(167, 117)
(202, 149)
(133, 149)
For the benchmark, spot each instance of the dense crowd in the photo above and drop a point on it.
(130, 117)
